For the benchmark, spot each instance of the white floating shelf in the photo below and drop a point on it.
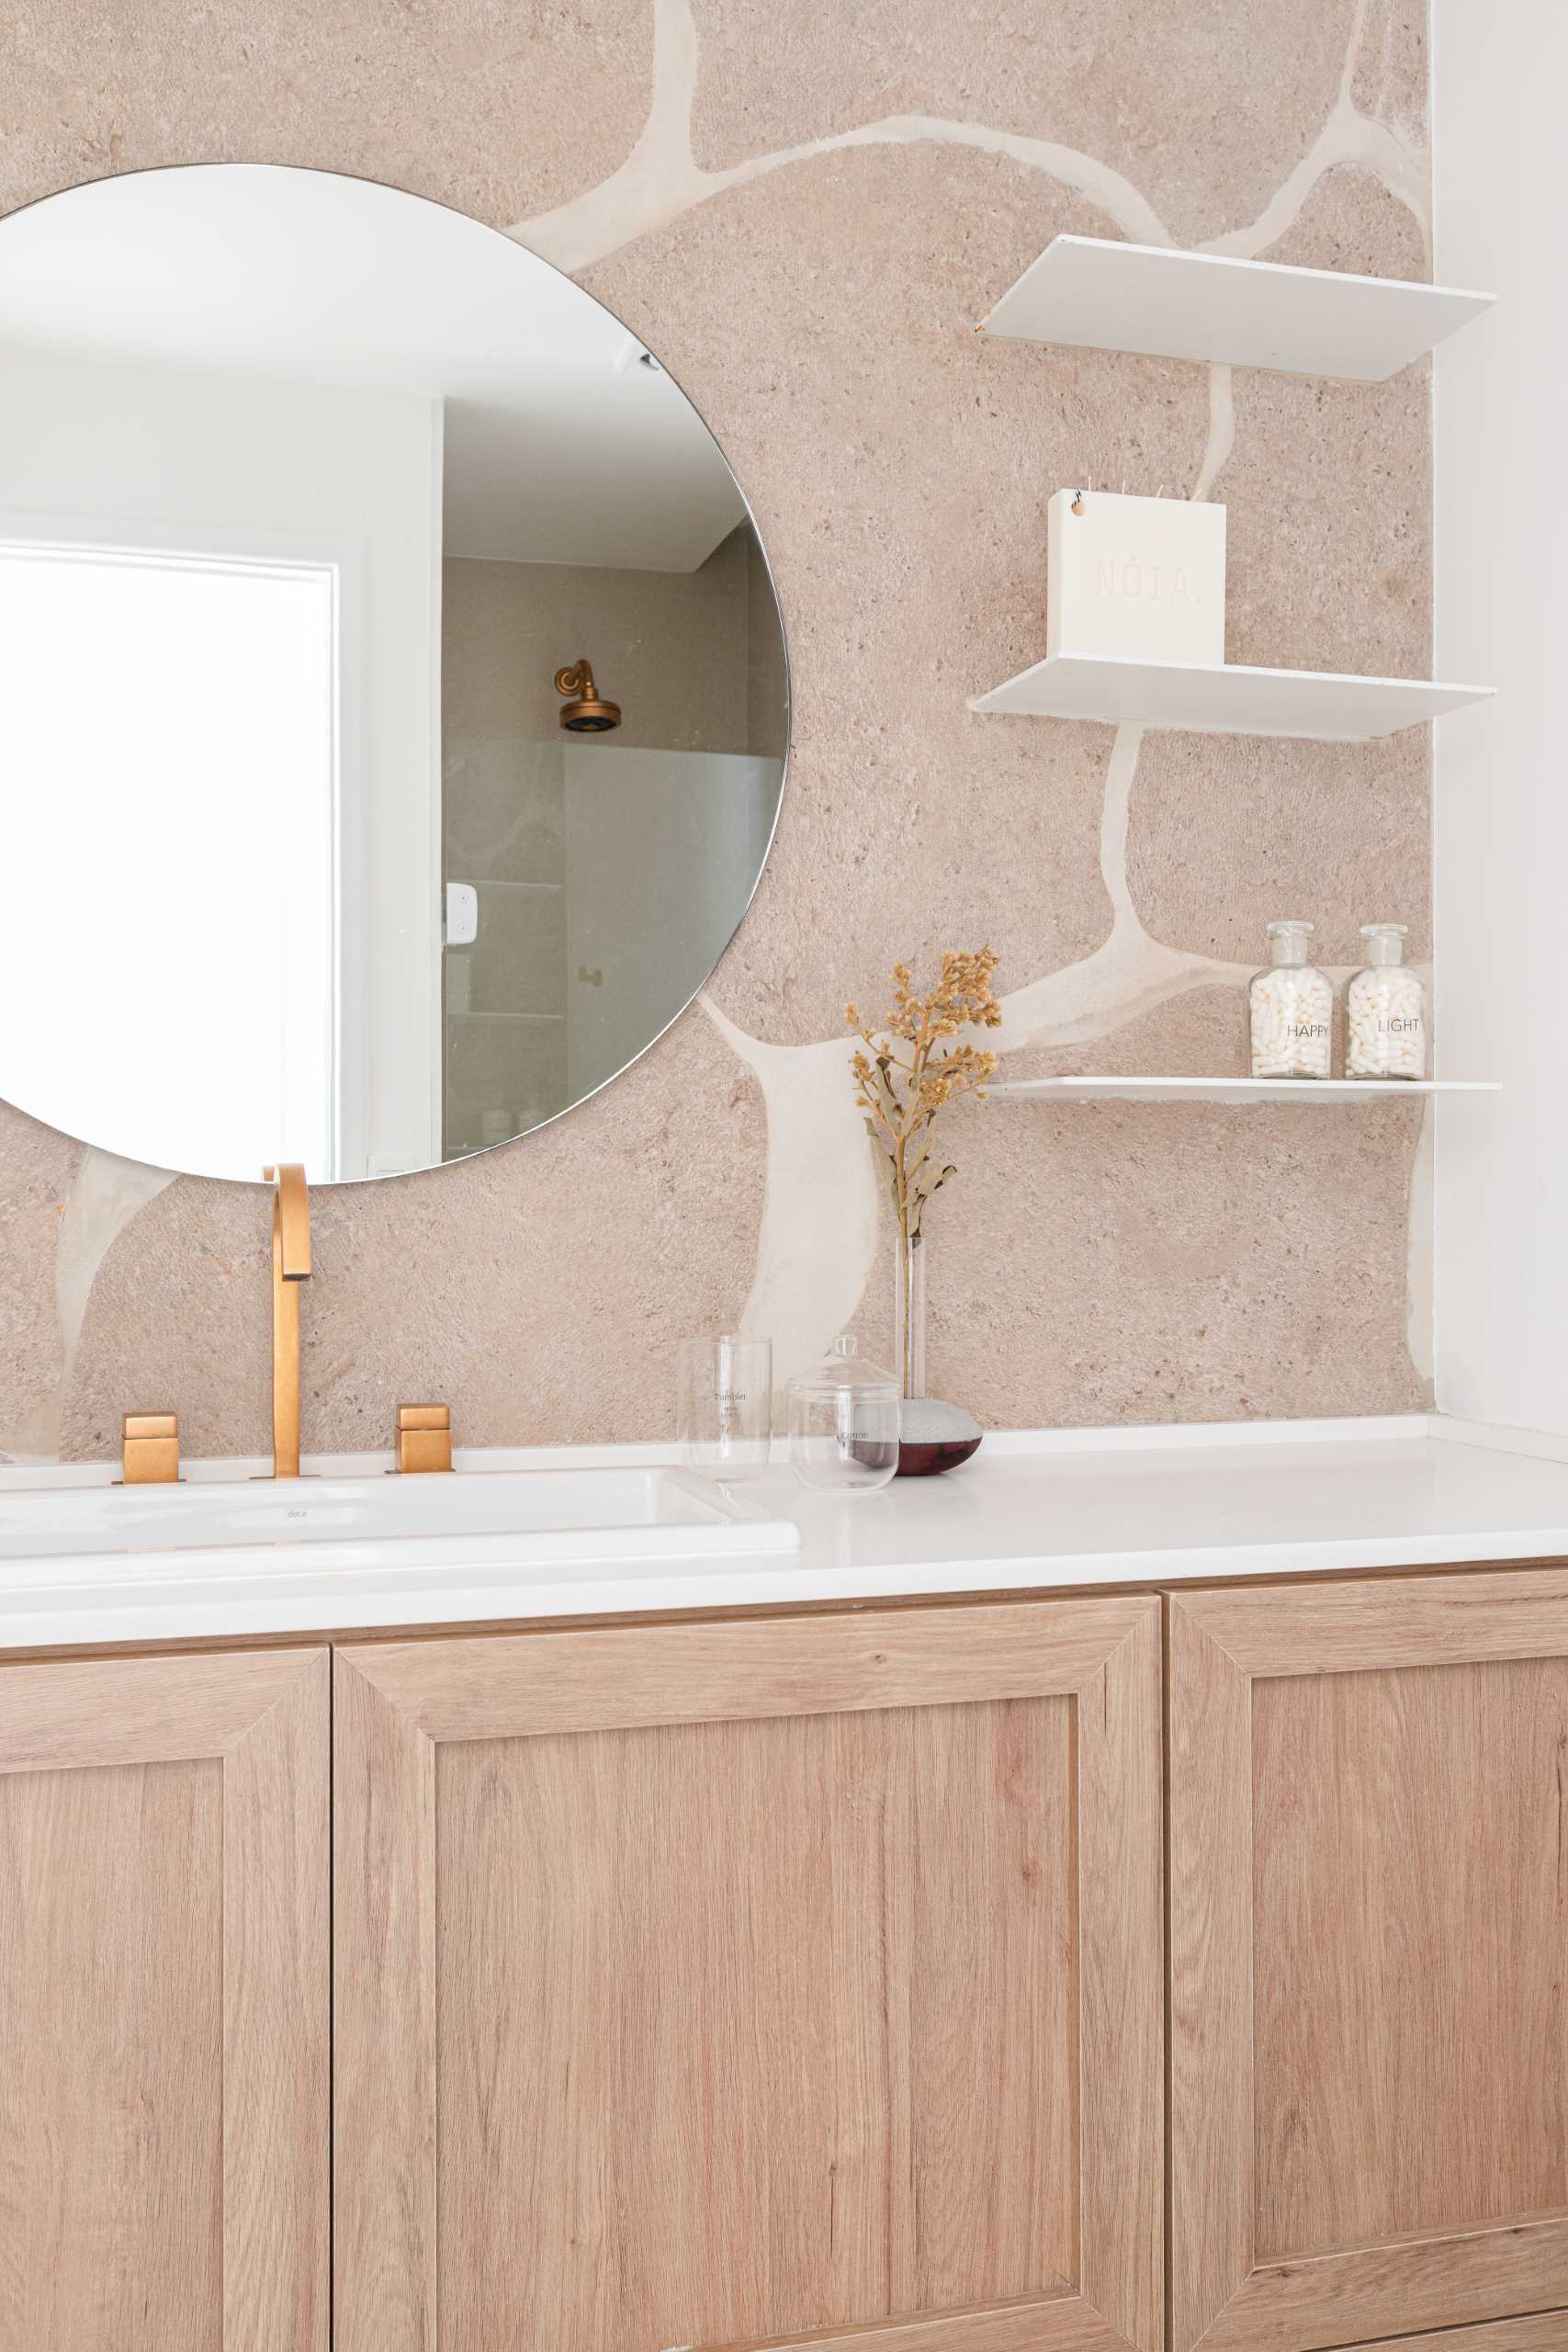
(1224, 698)
(1097, 294)
(1301, 1091)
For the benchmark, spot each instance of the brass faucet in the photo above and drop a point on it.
(291, 1267)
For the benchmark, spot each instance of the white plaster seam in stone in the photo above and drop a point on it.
(805, 1284)
(1347, 137)
(811, 1267)
(807, 1279)
(661, 178)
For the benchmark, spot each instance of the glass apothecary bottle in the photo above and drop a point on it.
(1290, 1009)
(1385, 1011)
(843, 1422)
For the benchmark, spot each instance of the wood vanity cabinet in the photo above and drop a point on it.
(706, 1984)
(1369, 1932)
(163, 2004)
(714, 1984)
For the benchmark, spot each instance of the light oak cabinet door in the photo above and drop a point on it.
(163, 2004)
(708, 1984)
(1369, 1933)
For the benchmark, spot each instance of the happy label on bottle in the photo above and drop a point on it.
(1140, 577)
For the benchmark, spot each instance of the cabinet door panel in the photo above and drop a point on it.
(113, 2207)
(770, 1979)
(1370, 1907)
(164, 1996)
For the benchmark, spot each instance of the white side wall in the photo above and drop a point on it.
(1501, 784)
(234, 465)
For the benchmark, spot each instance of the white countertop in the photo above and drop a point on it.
(1032, 1512)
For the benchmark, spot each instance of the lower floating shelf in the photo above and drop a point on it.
(1224, 698)
(1301, 1091)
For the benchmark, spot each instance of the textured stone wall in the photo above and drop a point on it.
(804, 211)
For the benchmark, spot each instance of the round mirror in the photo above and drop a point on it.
(393, 701)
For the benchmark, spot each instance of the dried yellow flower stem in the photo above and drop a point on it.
(901, 1094)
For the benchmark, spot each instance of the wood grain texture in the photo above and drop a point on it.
(1019, 2331)
(1544, 2332)
(801, 1963)
(1396, 1621)
(789, 2020)
(1062, 2323)
(1209, 1963)
(1121, 2022)
(163, 2020)
(171, 1709)
(111, 2212)
(617, 1677)
(384, 2039)
(1369, 1912)
(276, 2021)
(1411, 1918)
(1443, 2282)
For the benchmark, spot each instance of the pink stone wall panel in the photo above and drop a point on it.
(1227, 832)
(1152, 1262)
(901, 468)
(729, 179)
(36, 1169)
(539, 1289)
(1195, 106)
(495, 108)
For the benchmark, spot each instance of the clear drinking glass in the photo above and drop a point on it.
(725, 1406)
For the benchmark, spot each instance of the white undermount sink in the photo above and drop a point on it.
(642, 1510)
(250, 1554)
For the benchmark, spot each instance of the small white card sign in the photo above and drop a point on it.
(1141, 577)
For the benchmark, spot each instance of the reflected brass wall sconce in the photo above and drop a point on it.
(585, 714)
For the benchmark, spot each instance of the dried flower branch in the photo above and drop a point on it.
(902, 1092)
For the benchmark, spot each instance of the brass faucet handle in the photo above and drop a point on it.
(425, 1437)
(149, 1449)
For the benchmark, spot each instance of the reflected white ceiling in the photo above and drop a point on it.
(561, 447)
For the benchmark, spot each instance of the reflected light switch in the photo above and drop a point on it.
(462, 914)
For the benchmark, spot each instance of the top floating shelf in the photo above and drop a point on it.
(1102, 295)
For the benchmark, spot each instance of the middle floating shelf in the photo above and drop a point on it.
(1301, 1091)
(1224, 698)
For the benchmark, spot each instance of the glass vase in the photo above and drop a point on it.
(909, 1315)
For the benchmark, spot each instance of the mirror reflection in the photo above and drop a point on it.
(394, 698)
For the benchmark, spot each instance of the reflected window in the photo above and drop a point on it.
(174, 716)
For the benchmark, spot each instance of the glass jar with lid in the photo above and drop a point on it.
(843, 1422)
(1385, 1011)
(1290, 1007)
